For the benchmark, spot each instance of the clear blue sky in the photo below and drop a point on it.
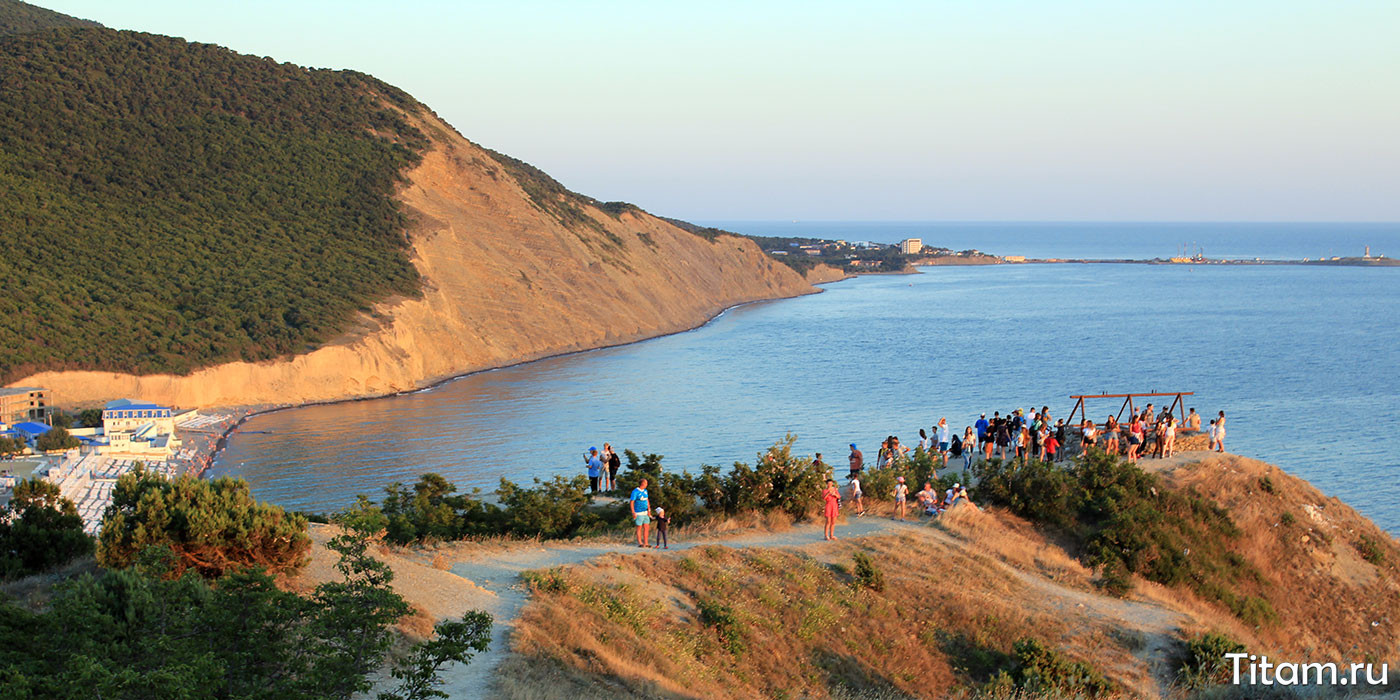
(988, 110)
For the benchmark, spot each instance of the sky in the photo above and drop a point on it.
(993, 110)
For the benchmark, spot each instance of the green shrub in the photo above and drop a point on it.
(1204, 663)
(1287, 518)
(212, 526)
(1127, 521)
(552, 509)
(1115, 580)
(725, 623)
(867, 575)
(546, 581)
(39, 530)
(1040, 670)
(1370, 549)
(1266, 484)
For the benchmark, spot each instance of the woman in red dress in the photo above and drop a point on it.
(831, 498)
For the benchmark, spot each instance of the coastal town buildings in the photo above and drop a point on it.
(911, 246)
(20, 404)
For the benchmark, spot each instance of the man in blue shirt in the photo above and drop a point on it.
(595, 467)
(641, 513)
(981, 425)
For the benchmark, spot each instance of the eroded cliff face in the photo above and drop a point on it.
(505, 282)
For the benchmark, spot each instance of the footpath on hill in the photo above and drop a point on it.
(495, 586)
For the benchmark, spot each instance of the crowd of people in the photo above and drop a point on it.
(1014, 436)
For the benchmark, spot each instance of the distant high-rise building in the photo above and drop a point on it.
(911, 246)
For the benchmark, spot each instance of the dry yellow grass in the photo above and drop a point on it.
(634, 624)
(1331, 603)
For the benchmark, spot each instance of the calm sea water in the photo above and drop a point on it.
(1106, 240)
(1303, 360)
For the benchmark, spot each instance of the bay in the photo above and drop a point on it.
(1302, 359)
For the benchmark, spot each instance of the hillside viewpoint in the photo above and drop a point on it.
(191, 225)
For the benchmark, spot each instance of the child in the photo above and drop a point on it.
(901, 496)
(856, 497)
(661, 521)
(1051, 447)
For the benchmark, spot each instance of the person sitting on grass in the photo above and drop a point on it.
(641, 514)
(928, 499)
(901, 497)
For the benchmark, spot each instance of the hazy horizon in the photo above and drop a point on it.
(887, 111)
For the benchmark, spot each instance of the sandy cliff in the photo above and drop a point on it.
(505, 282)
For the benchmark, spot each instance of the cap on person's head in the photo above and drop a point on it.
(592, 449)
(957, 486)
(900, 479)
(984, 415)
(853, 445)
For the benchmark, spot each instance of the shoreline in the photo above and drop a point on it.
(219, 443)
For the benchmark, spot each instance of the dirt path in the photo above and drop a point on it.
(503, 595)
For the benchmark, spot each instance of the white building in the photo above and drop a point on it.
(911, 246)
(131, 427)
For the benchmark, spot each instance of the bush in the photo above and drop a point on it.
(39, 530)
(1204, 663)
(867, 575)
(1042, 671)
(213, 527)
(1370, 549)
(1116, 581)
(552, 509)
(1127, 522)
(725, 623)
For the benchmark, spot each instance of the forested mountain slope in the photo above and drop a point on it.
(21, 17)
(171, 205)
(190, 225)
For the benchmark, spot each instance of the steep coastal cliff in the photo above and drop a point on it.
(505, 280)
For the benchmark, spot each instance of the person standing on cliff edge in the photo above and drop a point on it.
(857, 462)
(595, 468)
(1220, 433)
(641, 514)
(831, 504)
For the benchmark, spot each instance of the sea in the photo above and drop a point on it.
(1305, 361)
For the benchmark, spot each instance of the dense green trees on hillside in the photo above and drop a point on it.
(170, 205)
(21, 17)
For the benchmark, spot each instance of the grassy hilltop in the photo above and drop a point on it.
(171, 205)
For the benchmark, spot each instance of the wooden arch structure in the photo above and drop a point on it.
(1177, 406)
